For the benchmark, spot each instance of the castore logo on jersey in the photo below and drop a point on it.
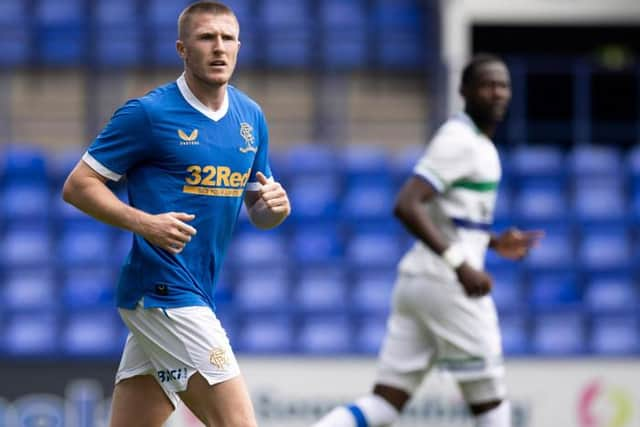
(191, 139)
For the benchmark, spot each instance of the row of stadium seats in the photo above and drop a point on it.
(118, 32)
(329, 287)
(333, 262)
(100, 333)
(522, 164)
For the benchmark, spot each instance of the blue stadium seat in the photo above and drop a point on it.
(258, 248)
(62, 45)
(30, 202)
(559, 334)
(515, 334)
(311, 159)
(402, 50)
(116, 12)
(60, 163)
(119, 46)
(381, 248)
(163, 47)
(345, 50)
(13, 12)
(244, 11)
(315, 197)
(68, 12)
(321, 289)
(317, 244)
(538, 161)
(595, 160)
(555, 251)
(614, 292)
(605, 249)
(29, 288)
(24, 164)
(87, 245)
(62, 36)
(549, 291)
(398, 14)
(369, 334)
(15, 45)
(540, 200)
(92, 333)
(164, 13)
(366, 163)
(508, 289)
(615, 335)
(25, 246)
(366, 201)
(290, 48)
(324, 335)
(402, 26)
(31, 333)
(261, 290)
(600, 200)
(266, 334)
(89, 287)
(277, 15)
(403, 162)
(372, 291)
(336, 15)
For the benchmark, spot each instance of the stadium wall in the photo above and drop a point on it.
(293, 392)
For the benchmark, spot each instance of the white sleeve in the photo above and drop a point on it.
(447, 158)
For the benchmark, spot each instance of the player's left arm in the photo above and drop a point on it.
(514, 243)
(269, 205)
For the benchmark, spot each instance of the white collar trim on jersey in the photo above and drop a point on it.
(214, 115)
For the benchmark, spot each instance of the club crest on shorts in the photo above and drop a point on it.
(218, 357)
(246, 131)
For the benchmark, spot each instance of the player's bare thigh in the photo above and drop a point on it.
(139, 402)
(225, 404)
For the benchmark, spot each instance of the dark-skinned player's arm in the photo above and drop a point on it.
(410, 211)
(86, 189)
(268, 206)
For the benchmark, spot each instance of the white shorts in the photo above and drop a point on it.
(434, 323)
(172, 344)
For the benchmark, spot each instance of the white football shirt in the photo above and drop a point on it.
(462, 164)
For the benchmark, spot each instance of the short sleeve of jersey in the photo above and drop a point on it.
(122, 143)
(261, 161)
(446, 159)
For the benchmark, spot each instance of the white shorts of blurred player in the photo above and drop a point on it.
(434, 323)
(172, 344)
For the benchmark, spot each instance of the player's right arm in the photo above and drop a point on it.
(409, 209)
(86, 189)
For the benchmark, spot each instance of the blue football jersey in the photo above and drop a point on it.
(181, 156)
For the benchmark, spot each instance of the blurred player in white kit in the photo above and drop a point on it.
(442, 312)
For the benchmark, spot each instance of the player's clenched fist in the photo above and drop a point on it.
(273, 195)
(168, 231)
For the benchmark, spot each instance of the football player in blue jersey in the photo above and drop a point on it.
(193, 151)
